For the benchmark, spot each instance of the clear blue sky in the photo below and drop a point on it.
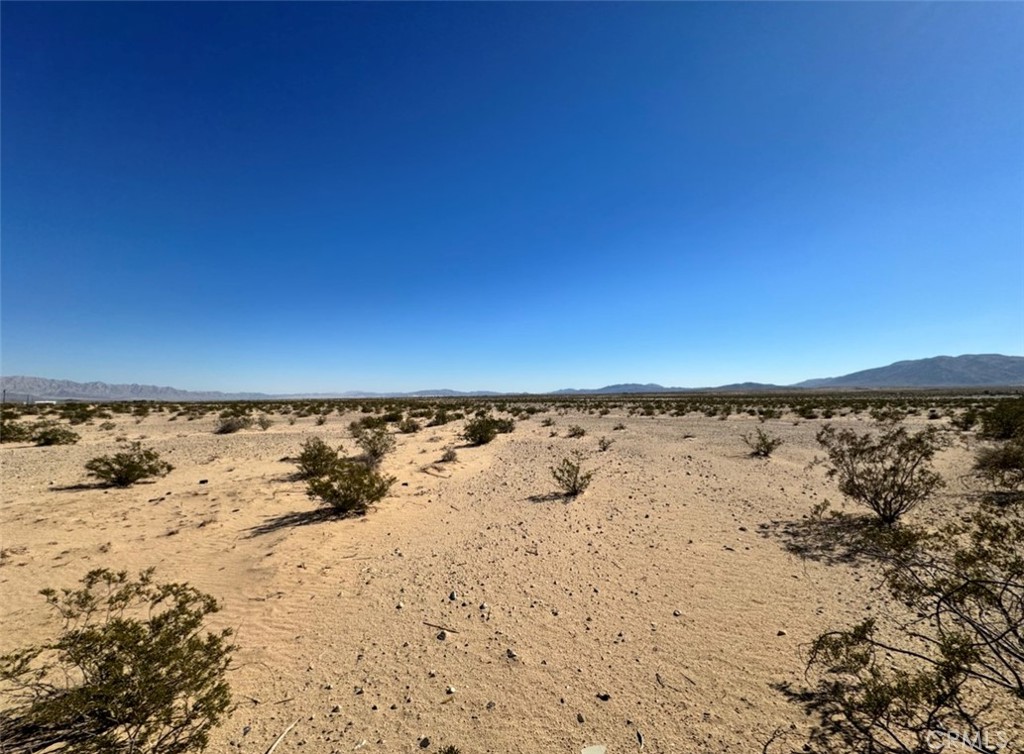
(319, 196)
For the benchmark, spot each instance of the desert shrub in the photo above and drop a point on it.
(1004, 420)
(441, 417)
(357, 427)
(14, 431)
(618, 427)
(449, 455)
(965, 421)
(108, 426)
(231, 424)
(604, 443)
(131, 671)
(1002, 466)
(575, 431)
(350, 487)
(376, 443)
(48, 433)
(570, 476)
(264, 423)
(316, 458)
(321, 420)
(408, 426)
(959, 665)
(482, 429)
(761, 444)
(131, 465)
(889, 470)
(392, 417)
(547, 422)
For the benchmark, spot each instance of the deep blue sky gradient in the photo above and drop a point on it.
(313, 197)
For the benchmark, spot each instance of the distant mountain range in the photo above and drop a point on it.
(975, 371)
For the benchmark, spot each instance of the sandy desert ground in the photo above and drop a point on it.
(667, 586)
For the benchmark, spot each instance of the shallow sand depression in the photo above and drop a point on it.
(662, 602)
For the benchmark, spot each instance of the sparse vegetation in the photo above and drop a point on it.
(761, 444)
(376, 443)
(570, 476)
(1002, 465)
(131, 671)
(316, 458)
(1004, 420)
(350, 487)
(482, 429)
(960, 657)
(50, 433)
(889, 470)
(14, 431)
(604, 443)
(575, 431)
(228, 425)
(131, 465)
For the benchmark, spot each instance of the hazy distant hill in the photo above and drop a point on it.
(41, 388)
(986, 370)
(981, 370)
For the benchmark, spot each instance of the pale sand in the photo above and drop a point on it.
(583, 592)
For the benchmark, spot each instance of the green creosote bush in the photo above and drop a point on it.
(960, 664)
(570, 476)
(264, 423)
(375, 443)
(889, 470)
(449, 455)
(482, 429)
(316, 458)
(575, 431)
(14, 431)
(350, 487)
(231, 424)
(1002, 466)
(131, 465)
(1004, 421)
(321, 420)
(408, 426)
(48, 433)
(131, 671)
(761, 444)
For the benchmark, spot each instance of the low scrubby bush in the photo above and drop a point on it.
(575, 431)
(350, 487)
(888, 470)
(482, 429)
(131, 465)
(375, 443)
(48, 433)
(231, 424)
(14, 431)
(316, 458)
(761, 444)
(570, 476)
(1002, 466)
(1004, 421)
(132, 671)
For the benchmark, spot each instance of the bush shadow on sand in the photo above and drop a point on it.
(841, 538)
